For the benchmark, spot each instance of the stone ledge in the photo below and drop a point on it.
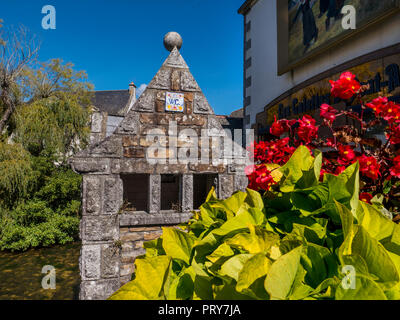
(146, 219)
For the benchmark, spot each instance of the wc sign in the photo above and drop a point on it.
(175, 102)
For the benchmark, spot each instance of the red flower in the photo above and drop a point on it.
(327, 112)
(278, 128)
(346, 86)
(391, 112)
(339, 170)
(307, 129)
(394, 134)
(366, 197)
(259, 177)
(369, 167)
(395, 170)
(346, 155)
(277, 151)
(378, 104)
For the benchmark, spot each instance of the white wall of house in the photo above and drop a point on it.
(266, 85)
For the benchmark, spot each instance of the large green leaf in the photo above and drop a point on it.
(149, 281)
(365, 289)
(298, 171)
(282, 274)
(258, 240)
(177, 244)
(253, 269)
(234, 265)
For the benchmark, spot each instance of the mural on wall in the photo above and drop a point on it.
(315, 24)
(383, 76)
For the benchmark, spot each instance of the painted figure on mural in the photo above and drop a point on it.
(310, 30)
(323, 7)
(334, 11)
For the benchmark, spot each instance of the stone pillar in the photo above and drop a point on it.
(154, 193)
(225, 185)
(100, 254)
(187, 192)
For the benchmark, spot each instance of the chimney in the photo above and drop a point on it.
(132, 89)
(132, 98)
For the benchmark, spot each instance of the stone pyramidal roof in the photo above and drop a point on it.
(125, 150)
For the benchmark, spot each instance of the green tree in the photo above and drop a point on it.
(45, 110)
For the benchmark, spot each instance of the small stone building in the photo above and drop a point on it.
(131, 189)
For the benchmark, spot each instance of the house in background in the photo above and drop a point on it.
(109, 109)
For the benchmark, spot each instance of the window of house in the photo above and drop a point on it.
(136, 192)
(170, 192)
(202, 184)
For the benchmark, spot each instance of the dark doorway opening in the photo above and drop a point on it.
(136, 192)
(202, 184)
(170, 192)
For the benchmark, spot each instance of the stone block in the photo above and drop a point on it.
(155, 193)
(200, 104)
(148, 118)
(98, 289)
(113, 195)
(157, 219)
(130, 124)
(162, 80)
(241, 182)
(152, 235)
(111, 147)
(132, 236)
(100, 228)
(97, 120)
(133, 152)
(190, 120)
(95, 166)
(188, 83)
(110, 257)
(225, 186)
(91, 202)
(146, 102)
(127, 269)
(189, 103)
(130, 141)
(90, 262)
(187, 192)
(131, 166)
(176, 80)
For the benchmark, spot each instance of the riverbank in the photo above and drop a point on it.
(21, 277)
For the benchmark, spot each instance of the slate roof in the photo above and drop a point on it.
(111, 101)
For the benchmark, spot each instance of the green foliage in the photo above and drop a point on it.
(55, 122)
(290, 244)
(15, 173)
(49, 215)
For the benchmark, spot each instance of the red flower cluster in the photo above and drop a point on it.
(346, 87)
(385, 109)
(366, 197)
(280, 127)
(393, 134)
(395, 170)
(277, 151)
(369, 167)
(259, 177)
(328, 113)
(346, 155)
(307, 130)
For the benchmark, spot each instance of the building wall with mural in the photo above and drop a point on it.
(366, 53)
(382, 74)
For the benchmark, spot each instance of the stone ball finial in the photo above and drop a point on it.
(171, 40)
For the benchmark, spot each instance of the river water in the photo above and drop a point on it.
(21, 273)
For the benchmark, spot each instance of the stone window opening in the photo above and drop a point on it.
(170, 192)
(136, 191)
(202, 184)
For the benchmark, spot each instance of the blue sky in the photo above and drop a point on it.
(119, 41)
